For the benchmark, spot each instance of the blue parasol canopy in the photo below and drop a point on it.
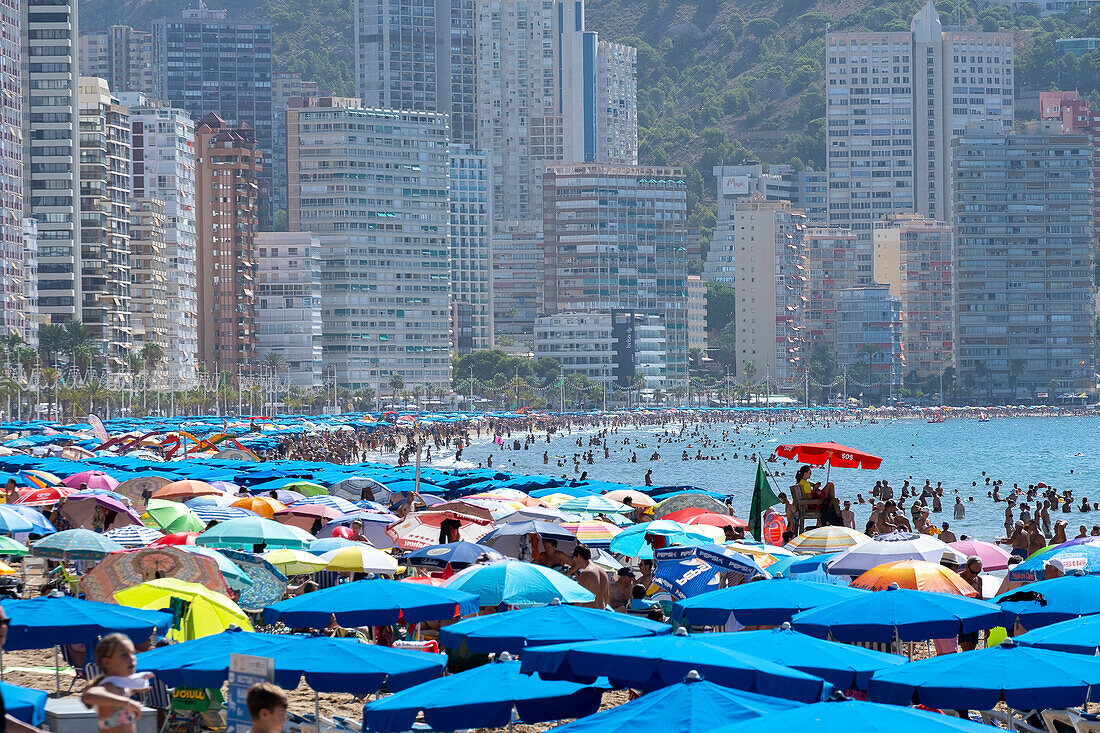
(46, 621)
(1026, 678)
(656, 661)
(691, 706)
(482, 697)
(556, 623)
(456, 554)
(329, 665)
(372, 603)
(24, 703)
(763, 603)
(849, 715)
(911, 615)
(1077, 635)
(1050, 601)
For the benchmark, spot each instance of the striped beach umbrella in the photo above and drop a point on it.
(333, 502)
(826, 539)
(39, 479)
(593, 505)
(220, 513)
(134, 535)
(591, 532)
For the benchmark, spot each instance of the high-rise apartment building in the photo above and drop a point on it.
(831, 266)
(471, 250)
(289, 312)
(29, 317)
(51, 153)
(205, 62)
(105, 190)
(419, 55)
(1076, 115)
(805, 190)
(770, 282)
(148, 274)
(12, 270)
(121, 55)
(697, 313)
(285, 87)
(519, 105)
(1024, 310)
(616, 237)
(599, 93)
(517, 281)
(894, 102)
(913, 255)
(228, 164)
(372, 185)
(163, 140)
(868, 348)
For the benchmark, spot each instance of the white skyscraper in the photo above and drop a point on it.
(519, 105)
(12, 271)
(288, 318)
(372, 185)
(471, 251)
(164, 168)
(599, 93)
(894, 102)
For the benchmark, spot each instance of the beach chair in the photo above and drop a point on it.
(1013, 722)
(803, 509)
(1084, 722)
(1060, 721)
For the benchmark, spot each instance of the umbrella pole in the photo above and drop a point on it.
(57, 668)
(317, 709)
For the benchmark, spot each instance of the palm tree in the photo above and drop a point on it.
(396, 383)
(51, 341)
(1016, 368)
(27, 359)
(51, 376)
(276, 362)
(152, 354)
(78, 338)
(750, 374)
(870, 351)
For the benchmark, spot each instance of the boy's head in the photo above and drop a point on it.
(267, 706)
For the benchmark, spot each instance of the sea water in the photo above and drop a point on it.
(1060, 451)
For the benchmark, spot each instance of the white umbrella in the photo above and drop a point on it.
(360, 560)
(890, 548)
(134, 535)
(544, 513)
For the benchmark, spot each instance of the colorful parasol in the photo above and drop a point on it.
(268, 584)
(915, 575)
(826, 539)
(265, 506)
(592, 532)
(422, 528)
(42, 497)
(184, 490)
(74, 544)
(121, 570)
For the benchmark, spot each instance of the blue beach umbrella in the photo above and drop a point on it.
(372, 603)
(1070, 596)
(39, 524)
(456, 554)
(719, 556)
(651, 662)
(850, 715)
(691, 706)
(249, 531)
(763, 603)
(632, 541)
(328, 665)
(46, 621)
(327, 544)
(335, 502)
(235, 577)
(555, 623)
(908, 615)
(221, 513)
(12, 521)
(75, 544)
(134, 535)
(1075, 558)
(24, 703)
(1077, 635)
(483, 697)
(518, 584)
(842, 665)
(686, 578)
(1026, 678)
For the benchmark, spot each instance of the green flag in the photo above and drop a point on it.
(762, 498)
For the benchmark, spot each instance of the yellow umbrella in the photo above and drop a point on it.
(6, 569)
(295, 562)
(208, 612)
(360, 560)
(556, 499)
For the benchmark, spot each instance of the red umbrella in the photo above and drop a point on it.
(834, 454)
(42, 497)
(682, 515)
(714, 519)
(305, 515)
(179, 538)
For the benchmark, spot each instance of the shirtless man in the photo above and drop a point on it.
(1018, 539)
(591, 577)
(885, 520)
(622, 589)
(553, 557)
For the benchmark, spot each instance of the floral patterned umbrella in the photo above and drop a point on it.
(135, 488)
(125, 569)
(268, 584)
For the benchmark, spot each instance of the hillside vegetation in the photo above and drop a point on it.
(720, 81)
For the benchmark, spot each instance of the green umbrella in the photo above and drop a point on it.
(305, 487)
(171, 517)
(9, 546)
(249, 531)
